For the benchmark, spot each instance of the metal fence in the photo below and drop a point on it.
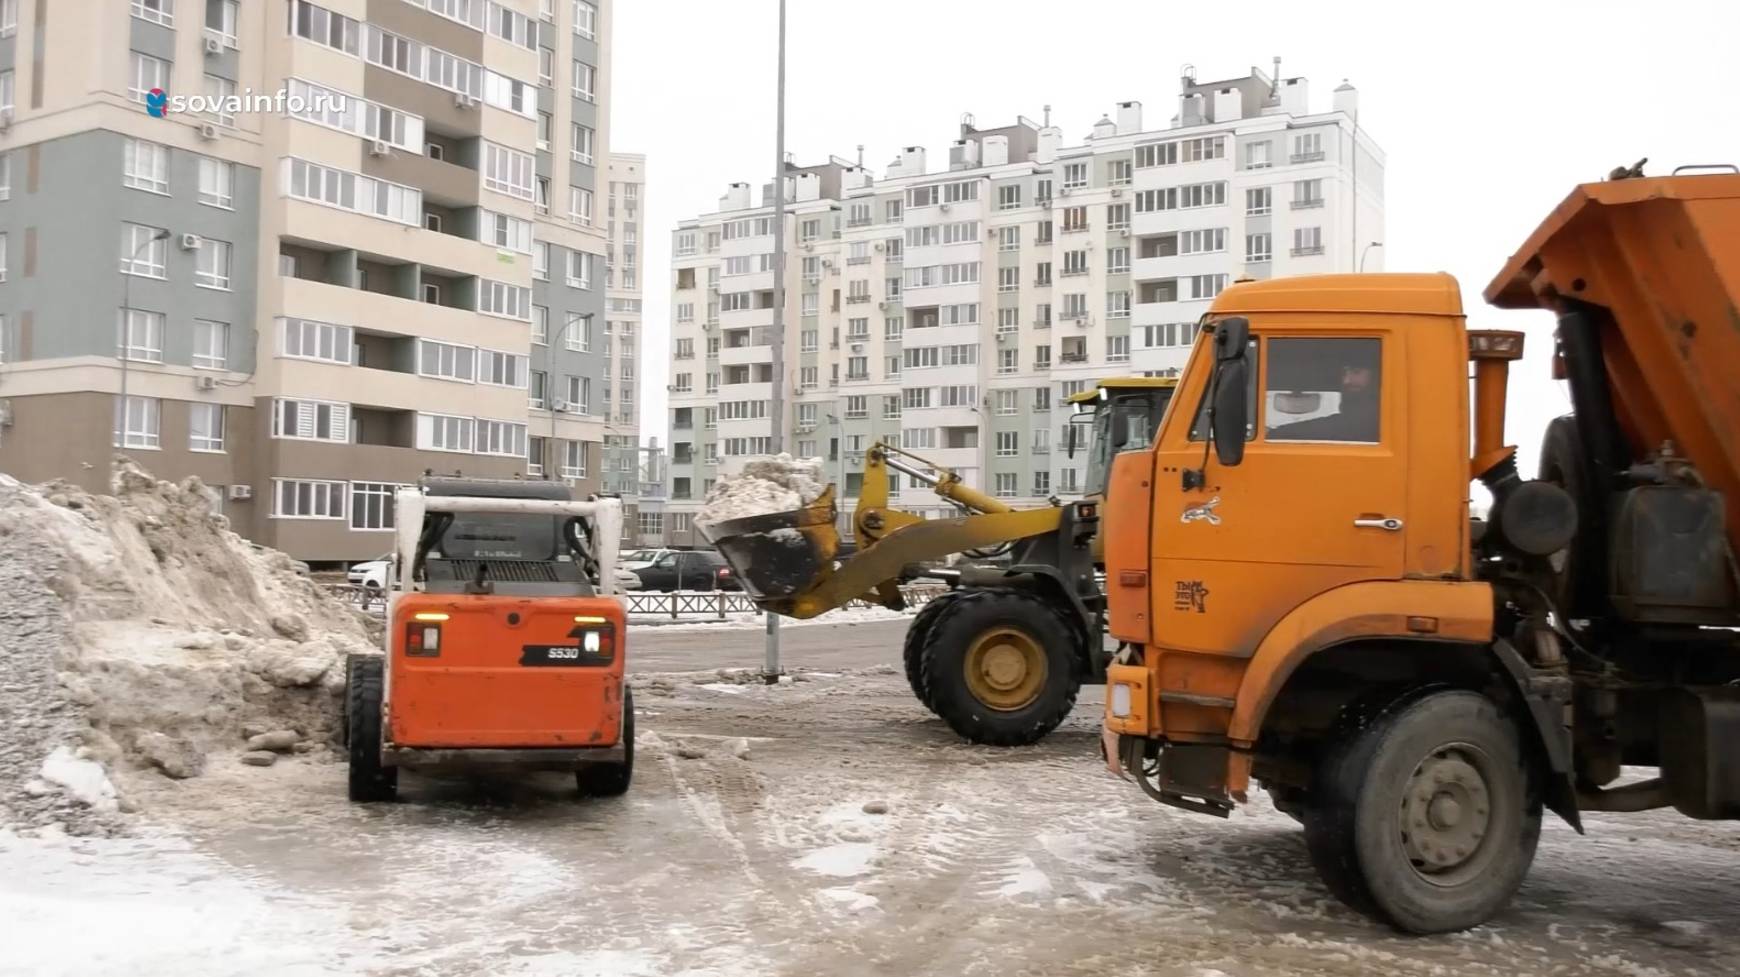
(683, 605)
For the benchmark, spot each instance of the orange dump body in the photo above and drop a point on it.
(505, 672)
(1662, 256)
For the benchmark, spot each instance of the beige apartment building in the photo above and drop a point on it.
(384, 256)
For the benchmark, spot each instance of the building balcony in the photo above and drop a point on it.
(1308, 204)
(1306, 252)
(1316, 157)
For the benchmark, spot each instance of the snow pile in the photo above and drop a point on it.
(140, 633)
(774, 484)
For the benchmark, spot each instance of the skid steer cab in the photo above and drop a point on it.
(504, 644)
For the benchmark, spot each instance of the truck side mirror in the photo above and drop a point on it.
(1232, 376)
(1069, 441)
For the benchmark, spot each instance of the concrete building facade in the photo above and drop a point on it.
(384, 256)
(952, 311)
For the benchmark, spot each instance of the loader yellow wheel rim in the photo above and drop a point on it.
(1005, 669)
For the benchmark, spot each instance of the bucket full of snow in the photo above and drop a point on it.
(778, 555)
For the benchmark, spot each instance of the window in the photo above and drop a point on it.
(324, 27)
(1075, 176)
(444, 432)
(1042, 439)
(1204, 286)
(857, 405)
(542, 204)
(139, 335)
(1156, 154)
(8, 18)
(1009, 238)
(537, 389)
(916, 398)
(156, 11)
(1042, 395)
(308, 340)
(310, 420)
(584, 77)
(1008, 444)
(579, 269)
(1042, 482)
(918, 437)
(217, 181)
(5, 171)
(220, 95)
(1075, 263)
(1117, 349)
(1008, 279)
(1118, 217)
(1307, 193)
(808, 378)
(1308, 147)
(504, 438)
(1042, 273)
(891, 210)
(891, 408)
(574, 459)
(301, 499)
(1259, 201)
(142, 255)
(1323, 389)
(511, 233)
(1075, 219)
(446, 361)
(580, 143)
(211, 344)
(1008, 361)
(1117, 260)
(136, 422)
(1257, 156)
(1307, 240)
(349, 191)
(371, 505)
(1118, 304)
(145, 166)
(584, 14)
(546, 68)
(577, 332)
(1118, 173)
(507, 171)
(1202, 242)
(1258, 247)
(1042, 357)
(1206, 148)
(212, 264)
(205, 427)
(811, 229)
(580, 206)
(501, 369)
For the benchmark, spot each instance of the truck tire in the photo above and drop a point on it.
(1001, 667)
(612, 779)
(1426, 818)
(370, 779)
(912, 654)
(1576, 585)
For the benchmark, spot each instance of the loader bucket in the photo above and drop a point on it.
(779, 555)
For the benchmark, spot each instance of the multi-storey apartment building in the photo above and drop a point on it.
(624, 214)
(383, 258)
(954, 311)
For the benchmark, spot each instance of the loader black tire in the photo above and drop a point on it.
(912, 654)
(1026, 625)
(1427, 817)
(612, 779)
(370, 779)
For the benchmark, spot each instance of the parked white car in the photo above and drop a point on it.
(627, 579)
(371, 575)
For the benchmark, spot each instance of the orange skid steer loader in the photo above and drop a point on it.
(504, 644)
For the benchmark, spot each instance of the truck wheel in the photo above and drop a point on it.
(1426, 818)
(370, 779)
(1001, 667)
(1576, 587)
(916, 635)
(612, 779)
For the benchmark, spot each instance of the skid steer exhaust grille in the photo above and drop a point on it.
(506, 571)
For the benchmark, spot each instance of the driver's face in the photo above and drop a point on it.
(1355, 379)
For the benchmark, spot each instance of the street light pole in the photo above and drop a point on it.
(550, 387)
(127, 333)
(1367, 250)
(770, 671)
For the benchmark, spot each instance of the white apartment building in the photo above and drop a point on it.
(624, 213)
(952, 311)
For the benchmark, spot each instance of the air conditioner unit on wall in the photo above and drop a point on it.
(213, 45)
(241, 493)
(190, 242)
(379, 147)
(208, 130)
(464, 101)
(205, 383)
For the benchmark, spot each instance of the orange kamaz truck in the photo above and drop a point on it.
(1305, 599)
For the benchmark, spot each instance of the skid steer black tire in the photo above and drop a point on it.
(1357, 825)
(967, 619)
(370, 779)
(612, 779)
(912, 654)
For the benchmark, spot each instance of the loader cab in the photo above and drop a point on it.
(511, 554)
(1117, 415)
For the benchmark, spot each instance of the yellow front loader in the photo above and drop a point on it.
(1001, 655)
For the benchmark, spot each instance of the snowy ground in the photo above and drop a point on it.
(1007, 862)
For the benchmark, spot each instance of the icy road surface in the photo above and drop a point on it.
(1006, 862)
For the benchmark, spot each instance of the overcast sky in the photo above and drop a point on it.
(1488, 116)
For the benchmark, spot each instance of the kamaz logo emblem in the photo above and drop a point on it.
(1202, 513)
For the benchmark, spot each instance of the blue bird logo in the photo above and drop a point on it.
(157, 103)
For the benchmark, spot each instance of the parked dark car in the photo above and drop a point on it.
(688, 570)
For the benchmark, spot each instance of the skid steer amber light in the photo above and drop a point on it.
(1120, 700)
(429, 616)
(588, 619)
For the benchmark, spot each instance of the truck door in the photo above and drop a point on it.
(1316, 503)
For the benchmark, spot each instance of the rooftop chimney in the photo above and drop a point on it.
(1346, 98)
(736, 197)
(994, 150)
(1229, 105)
(1294, 99)
(1105, 128)
(1050, 141)
(1129, 117)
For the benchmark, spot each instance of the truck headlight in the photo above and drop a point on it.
(1120, 700)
